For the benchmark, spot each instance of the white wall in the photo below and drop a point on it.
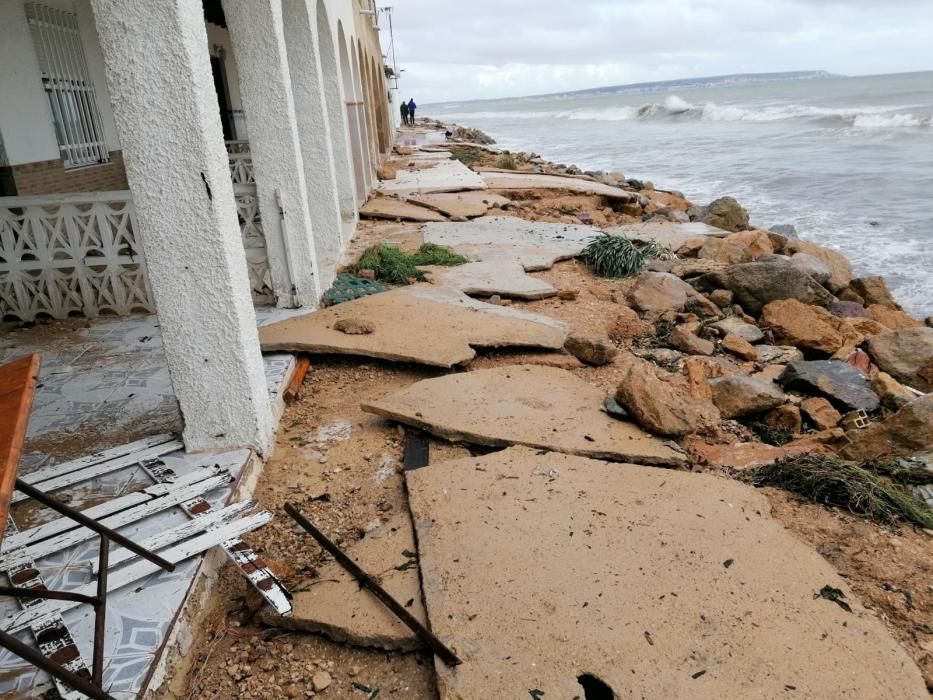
(25, 117)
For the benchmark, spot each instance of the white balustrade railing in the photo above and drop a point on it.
(241, 168)
(79, 255)
(237, 146)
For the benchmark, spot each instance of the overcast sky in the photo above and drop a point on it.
(473, 49)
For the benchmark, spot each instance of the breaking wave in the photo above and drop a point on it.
(675, 108)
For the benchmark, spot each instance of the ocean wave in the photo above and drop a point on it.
(675, 108)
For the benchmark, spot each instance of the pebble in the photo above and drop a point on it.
(321, 680)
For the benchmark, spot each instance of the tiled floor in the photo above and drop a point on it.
(105, 383)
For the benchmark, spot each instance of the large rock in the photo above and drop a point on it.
(907, 431)
(741, 396)
(905, 354)
(777, 354)
(662, 402)
(820, 412)
(841, 268)
(756, 242)
(659, 291)
(892, 393)
(873, 290)
(813, 266)
(685, 341)
(747, 331)
(755, 284)
(809, 327)
(739, 346)
(725, 213)
(839, 382)
(748, 455)
(892, 318)
(721, 251)
(592, 349)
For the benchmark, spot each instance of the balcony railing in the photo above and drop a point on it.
(80, 255)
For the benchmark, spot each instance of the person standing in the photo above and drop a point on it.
(403, 109)
(411, 111)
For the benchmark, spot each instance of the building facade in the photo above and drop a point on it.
(189, 158)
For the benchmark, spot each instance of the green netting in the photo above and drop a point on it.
(347, 287)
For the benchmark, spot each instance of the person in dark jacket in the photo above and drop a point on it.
(403, 109)
(411, 112)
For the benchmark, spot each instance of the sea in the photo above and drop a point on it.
(847, 160)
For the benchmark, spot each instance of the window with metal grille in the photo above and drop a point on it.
(68, 85)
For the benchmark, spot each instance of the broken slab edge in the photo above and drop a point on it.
(312, 349)
(679, 459)
(339, 634)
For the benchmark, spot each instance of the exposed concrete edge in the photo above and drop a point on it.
(312, 349)
(339, 634)
(380, 409)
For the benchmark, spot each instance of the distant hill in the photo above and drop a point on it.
(688, 84)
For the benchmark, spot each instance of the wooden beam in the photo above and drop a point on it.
(17, 389)
(298, 377)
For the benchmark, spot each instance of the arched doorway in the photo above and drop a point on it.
(353, 122)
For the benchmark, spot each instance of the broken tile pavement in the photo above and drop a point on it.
(542, 407)
(539, 568)
(420, 323)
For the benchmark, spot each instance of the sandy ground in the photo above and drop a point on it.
(340, 466)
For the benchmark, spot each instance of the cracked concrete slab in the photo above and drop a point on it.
(465, 204)
(334, 604)
(667, 233)
(542, 407)
(422, 323)
(498, 180)
(536, 245)
(541, 567)
(507, 278)
(388, 208)
(442, 175)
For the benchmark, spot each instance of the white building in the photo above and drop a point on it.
(190, 158)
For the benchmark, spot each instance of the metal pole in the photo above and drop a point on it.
(100, 612)
(79, 517)
(17, 592)
(27, 653)
(368, 582)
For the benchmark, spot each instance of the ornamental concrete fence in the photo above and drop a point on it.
(73, 255)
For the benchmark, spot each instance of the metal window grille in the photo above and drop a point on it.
(68, 85)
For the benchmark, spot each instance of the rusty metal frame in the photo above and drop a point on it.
(93, 686)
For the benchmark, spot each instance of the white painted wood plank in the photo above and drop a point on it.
(21, 621)
(174, 535)
(54, 527)
(97, 469)
(115, 521)
(103, 456)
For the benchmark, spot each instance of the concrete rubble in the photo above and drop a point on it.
(669, 234)
(508, 180)
(389, 208)
(460, 204)
(541, 407)
(334, 604)
(658, 583)
(421, 323)
(435, 175)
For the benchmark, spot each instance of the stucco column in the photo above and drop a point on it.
(165, 110)
(314, 135)
(258, 37)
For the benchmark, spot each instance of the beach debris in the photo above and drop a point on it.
(820, 412)
(592, 349)
(405, 317)
(501, 276)
(541, 407)
(831, 480)
(369, 583)
(655, 292)
(514, 180)
(440, 173)
(496, 578)
(346, 287)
